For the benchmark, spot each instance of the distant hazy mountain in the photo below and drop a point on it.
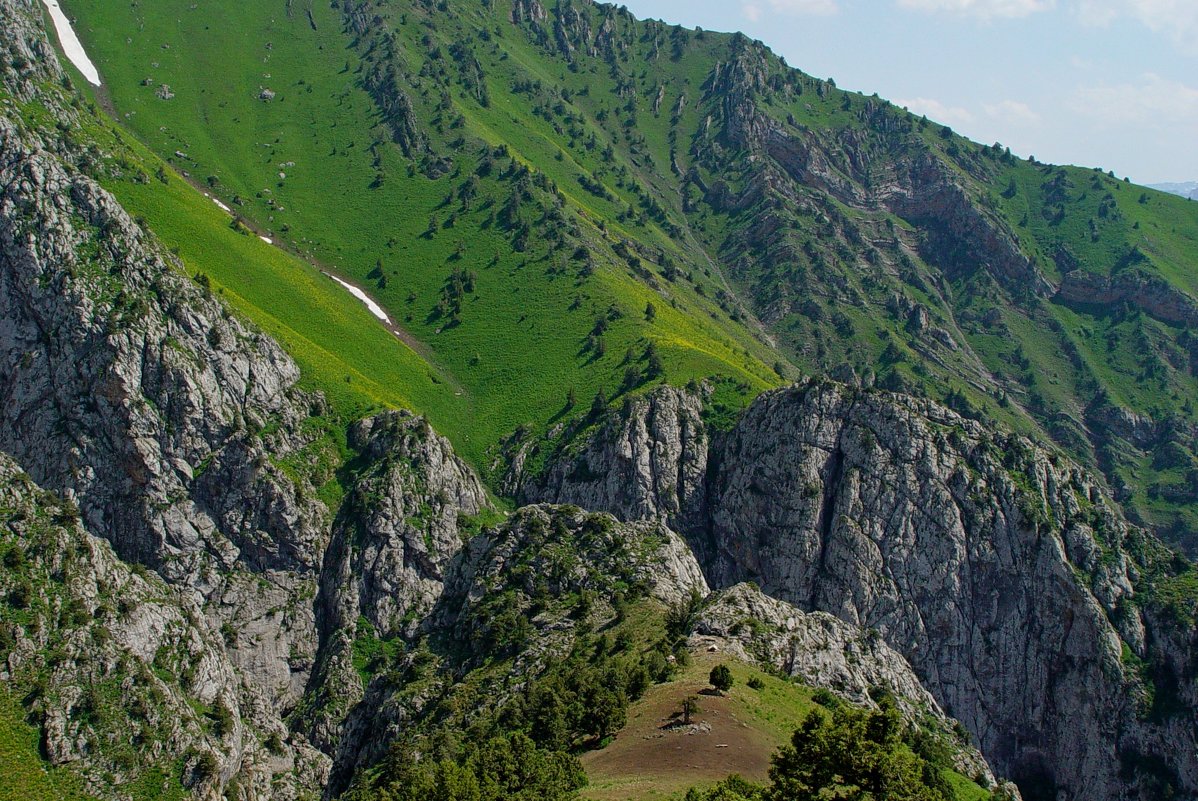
(1188, 189)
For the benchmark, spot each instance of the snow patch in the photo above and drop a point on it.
(375, 309)
(266, 239)
(71, 44)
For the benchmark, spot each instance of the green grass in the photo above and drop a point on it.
(753, 721)
(369, 652)
(601, 160)
(964, 788)
(331, 335)
(520, 345)
(341, 348)
(24, 775)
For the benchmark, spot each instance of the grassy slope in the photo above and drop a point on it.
(331, 334)
(350, 199)
(324, 126)
(341, 348)
(1050, 359)
(24, 775)
(647, 760)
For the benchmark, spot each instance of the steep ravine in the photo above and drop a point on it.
(964, 568)
(1012, 585)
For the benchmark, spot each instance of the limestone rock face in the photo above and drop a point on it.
(528, 11)
(26, 56)
(895, 542)
(408, 510)
(820, 650)
(130, 391)
(817, 648)
(1147, 292)
(650, 464)
(396, 536)
(517, 590)
(562, 549)
(998, 570)
(100, 648)
(129, 384)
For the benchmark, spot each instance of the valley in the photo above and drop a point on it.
(412, 400)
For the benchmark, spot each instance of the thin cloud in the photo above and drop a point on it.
(982, 9)
(935, 110)
(1175, 19)
(1012, 111)
(754, 11)
(1153, 101)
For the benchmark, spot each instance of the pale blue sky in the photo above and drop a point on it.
(1099, 83)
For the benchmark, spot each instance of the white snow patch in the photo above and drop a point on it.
(71, 44)
(222, 205)
(375, 309)
(266, 239)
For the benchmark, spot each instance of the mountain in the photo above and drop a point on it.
(1188, 189)
(516, 183)
(490, 535)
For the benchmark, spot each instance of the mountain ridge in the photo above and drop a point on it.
(739, 188)
(1187, 189)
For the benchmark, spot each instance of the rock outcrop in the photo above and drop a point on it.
(406, 518)
(520, 590)
(552, 551)
(820, 650)
(816, 648)
(1148, 292)
(649, 464)
(997, 569)
(131, 391)
(96, 647)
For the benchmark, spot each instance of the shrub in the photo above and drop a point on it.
(721, 678)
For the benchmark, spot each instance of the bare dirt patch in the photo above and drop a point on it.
(655, 756)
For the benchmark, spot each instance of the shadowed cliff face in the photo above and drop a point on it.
(165, 421)
(132, 386)
(998, 569)
(177, 432)
(132, 392)
(113, 650)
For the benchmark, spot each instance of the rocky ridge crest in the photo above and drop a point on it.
(999, 570)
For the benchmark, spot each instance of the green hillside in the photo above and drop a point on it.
(27, 777)
(517, 183)
(494, 262)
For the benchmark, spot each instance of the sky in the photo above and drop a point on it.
(1097, 83)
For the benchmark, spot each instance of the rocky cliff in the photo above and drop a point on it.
(177, 432)
(406, 518)
(133, 393)
(1144, 290)
(126, 679)
(513, 601)
(820, 650)
(997, 569)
